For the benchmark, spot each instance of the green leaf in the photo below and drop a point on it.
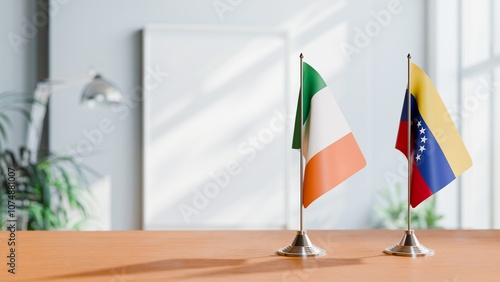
(6, 119)
(22, 111)
(3, 134)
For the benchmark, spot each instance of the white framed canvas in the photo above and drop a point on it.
(216, 129)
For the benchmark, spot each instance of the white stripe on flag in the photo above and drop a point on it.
(325, 125)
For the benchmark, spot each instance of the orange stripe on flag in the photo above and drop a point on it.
(331, 166)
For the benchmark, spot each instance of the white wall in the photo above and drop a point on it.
(468, 89)
(369, 87)
(17, 58)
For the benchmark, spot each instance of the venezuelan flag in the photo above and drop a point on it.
(438, 152)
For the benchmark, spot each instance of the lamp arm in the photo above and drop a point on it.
(98, 87)
(37, 117)
(81, 78)
(39, 109)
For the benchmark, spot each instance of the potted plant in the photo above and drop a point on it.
(392, 214)
(48, 193)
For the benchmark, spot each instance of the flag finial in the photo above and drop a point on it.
(409, 56)
(301, 56)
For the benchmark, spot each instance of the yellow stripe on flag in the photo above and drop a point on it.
(439, 121)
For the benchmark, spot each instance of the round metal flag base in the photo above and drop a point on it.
(301, 247)
(409, 247)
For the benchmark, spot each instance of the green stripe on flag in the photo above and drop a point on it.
(313, 83)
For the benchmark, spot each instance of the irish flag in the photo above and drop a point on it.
(331, 153)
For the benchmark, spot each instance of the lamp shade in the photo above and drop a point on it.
(101, 91)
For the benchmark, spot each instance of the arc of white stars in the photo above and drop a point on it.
(423, 139)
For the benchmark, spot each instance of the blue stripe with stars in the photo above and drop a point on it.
(428, 157)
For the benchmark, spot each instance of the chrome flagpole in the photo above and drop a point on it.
(409, 154)
(409, 246)
(301, 98)
(301, 245)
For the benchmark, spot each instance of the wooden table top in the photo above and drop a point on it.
(352, 255)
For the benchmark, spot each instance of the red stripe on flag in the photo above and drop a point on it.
(419, 189)
(402, 138)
